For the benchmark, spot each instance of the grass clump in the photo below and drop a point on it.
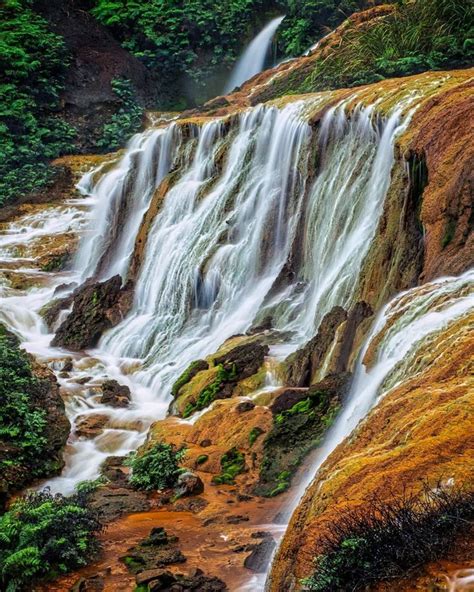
(202, 458)
(254, 434)
(232, 464)
(384, 540)
(43, 536)
(157, 468)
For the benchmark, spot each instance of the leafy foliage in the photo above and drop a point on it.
(157, 468)
(383, 540)
(232, 464)
(126, 121)
(21, 423)
(419, 35)
(42, 536)
(210, 393)
(32, 68)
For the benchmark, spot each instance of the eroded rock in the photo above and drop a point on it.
(115, 394)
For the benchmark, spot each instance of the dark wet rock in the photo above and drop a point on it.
(67, 365)
(260, 555)
(357, 314)
(96, 308)
(205, 443)
(260, 534)
(301, 366)
(265, 325)
(157, 550)
(297, 430)
(196, 580)
(115, 394)
(113, 502)
(194, 505)
(237, 519)
(91, 425)
(83, 380)
(113, 470)
(245, 406)
(189, 484)
(243, 360)
(93, 584)
(285, 399)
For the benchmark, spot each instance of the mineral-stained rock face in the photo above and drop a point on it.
(115, 394)
(421, 430)
(96, 307)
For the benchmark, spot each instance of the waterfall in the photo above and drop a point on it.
(400, 331)
(252, 60)
(121, 197)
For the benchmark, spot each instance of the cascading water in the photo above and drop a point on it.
(400, 331)
(121, 198)
(252, 60)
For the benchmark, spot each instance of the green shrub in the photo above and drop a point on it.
(384, 540)
(43, 536)
(33, 62)
(126, 121)
(232, 464)
(22, 424)
(157, 468)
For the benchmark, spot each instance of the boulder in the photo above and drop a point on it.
(115, 394)
(113, 502)
(91, 425)
(96, 307)
(243, 360)
(260, 555)
(189, 484)
(245, 406)
(165, 581)
(301, 366)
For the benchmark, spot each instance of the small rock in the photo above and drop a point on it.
(189, 484)
(245, 406)
(93, 584)
(260, 555)
(237, 519)
(164, 577)
(205, 443)
(90, 426)
(115, 394)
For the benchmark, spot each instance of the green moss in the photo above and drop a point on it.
(295, 432)
(210, 393)
(254, 434)
(188, 374)
(56, 263)
(202, 458)
(232, 464)
(449, 232)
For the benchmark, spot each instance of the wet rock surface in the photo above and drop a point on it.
(114, 501)
(115, 394)
(243, 360)
(189, 484)
(96, 308)
(260, 555)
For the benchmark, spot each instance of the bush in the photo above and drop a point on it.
(21, 423)
(157, 468)
(126, 121)
(384, 540)
(43, 536)
(417, 36)
(33, 63)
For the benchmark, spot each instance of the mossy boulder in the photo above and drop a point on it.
(298, 427)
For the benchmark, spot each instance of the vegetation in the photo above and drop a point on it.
(295, 432)
(384, 540)
(22, 424)
(254, 434)
(232, 464)
(126, 121)
(210, 393)
(188, 375)
(157, 468)
(43, 536)
(33, 62)
(418, 35)
(202, 458)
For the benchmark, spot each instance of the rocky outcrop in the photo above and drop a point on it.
(421, 431)
(96, 308)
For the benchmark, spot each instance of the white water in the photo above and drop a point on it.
(406, 324)
(214, 251)
(252, 60)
